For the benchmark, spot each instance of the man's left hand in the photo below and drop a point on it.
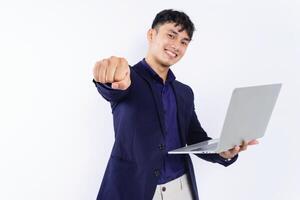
(235, 150)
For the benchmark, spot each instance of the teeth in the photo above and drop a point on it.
(171, 53)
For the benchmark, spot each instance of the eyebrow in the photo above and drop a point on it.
(176, 33)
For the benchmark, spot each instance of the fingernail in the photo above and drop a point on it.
(115, 86)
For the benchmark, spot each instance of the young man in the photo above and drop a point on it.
(153, 113)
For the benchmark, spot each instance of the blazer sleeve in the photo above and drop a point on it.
(110, 94)
(198, 134)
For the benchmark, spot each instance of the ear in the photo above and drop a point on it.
(150, 34)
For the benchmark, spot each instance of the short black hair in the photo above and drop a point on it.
(174, 16)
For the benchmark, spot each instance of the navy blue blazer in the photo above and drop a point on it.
(134, 166)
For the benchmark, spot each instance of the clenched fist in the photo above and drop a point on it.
(113, 70)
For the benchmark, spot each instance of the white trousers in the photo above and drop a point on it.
(177, 189)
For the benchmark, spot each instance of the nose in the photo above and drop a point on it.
(175, 46)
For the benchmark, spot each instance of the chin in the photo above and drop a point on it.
(172, 62)
(169, 62)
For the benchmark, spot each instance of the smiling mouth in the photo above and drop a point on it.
(170, 53)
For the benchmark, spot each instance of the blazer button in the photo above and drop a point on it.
(156, 172)
(161, 147)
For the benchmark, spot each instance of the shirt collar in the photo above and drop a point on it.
(170, 76)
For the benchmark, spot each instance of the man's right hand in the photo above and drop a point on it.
(113, 70)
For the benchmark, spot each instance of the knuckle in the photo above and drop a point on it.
(104, 61)
(113, 59)
(122, 61)
(97, 65)
(101, 65)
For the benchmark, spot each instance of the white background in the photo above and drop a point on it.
(56, 131)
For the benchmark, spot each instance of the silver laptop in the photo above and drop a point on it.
(247, 118)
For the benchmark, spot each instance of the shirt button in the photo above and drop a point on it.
(161, 147)
(156, 172)
(163, 189)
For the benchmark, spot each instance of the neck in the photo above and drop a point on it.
(160, 69)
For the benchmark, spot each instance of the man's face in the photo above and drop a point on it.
(167, 44)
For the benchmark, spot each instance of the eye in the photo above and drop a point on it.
(171, 36)
(184, 43)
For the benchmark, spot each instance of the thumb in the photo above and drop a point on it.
(253, 142)
(115, 85)
(119, 85)
(123, 84)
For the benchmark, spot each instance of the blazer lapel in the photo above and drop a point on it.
(158, 103)
(180, 111)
